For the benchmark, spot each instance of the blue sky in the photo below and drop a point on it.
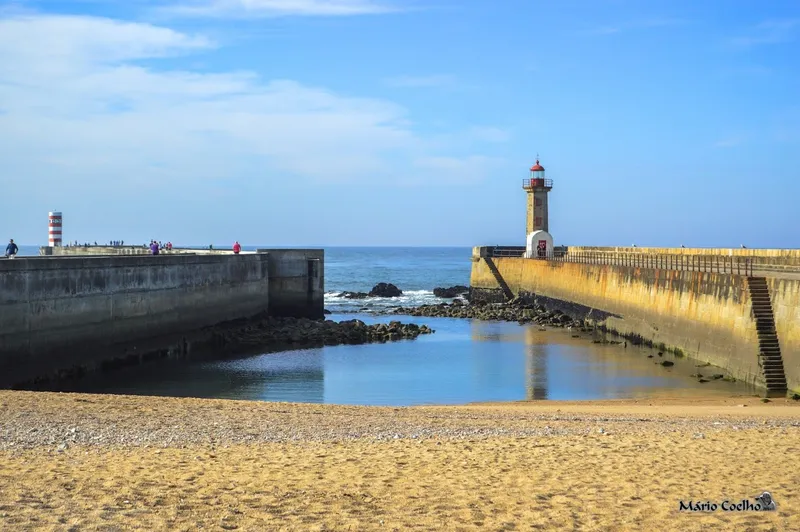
(358, 122)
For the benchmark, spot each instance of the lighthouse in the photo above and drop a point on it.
(54, 224)
(538, 241)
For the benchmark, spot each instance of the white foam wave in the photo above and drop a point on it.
(410, 298)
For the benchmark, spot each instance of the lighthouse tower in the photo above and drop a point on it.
(54, 224)
(537, 236)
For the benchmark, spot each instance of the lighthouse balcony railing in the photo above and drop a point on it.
(696, 263)
(537, 183)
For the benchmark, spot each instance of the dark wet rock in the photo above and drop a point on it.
(517, 310)
(450, 293)
(307, 332)
(667, 363)
(326, 312)
(385, 290)
(354, 295)
(717, 376)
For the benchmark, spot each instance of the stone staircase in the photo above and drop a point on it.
(509, 295)
(769, 356)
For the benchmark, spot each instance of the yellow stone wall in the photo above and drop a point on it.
(785, 295)
(706, 315)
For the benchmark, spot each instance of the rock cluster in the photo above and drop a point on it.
(307, 332)
(453, 291)
(515, 310)
(385, 290)
(353, 295)
(379, 290)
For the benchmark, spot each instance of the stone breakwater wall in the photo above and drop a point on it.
(707, 316)
(58, 313)
(297, 282)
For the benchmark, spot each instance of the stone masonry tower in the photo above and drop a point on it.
(537, 188)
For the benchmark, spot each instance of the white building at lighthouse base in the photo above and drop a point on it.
(539, 245)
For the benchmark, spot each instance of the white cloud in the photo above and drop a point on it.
(638, 25)
(489, 134)
(605, 30)
(436, 80)
(452, 170)
(771, 32)
(99, 40)
(267, 8)
(729, 142)
(77, 106)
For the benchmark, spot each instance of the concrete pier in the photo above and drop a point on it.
(59, 312)
(694, 304)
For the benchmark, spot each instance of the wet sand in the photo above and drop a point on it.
(124, 462)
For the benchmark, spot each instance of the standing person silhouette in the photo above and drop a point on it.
(11, 249)
(236, 248)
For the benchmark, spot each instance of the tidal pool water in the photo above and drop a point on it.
(465, 361)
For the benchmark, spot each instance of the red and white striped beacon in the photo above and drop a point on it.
(54, 229)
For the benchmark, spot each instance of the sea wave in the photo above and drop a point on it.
(411, 298)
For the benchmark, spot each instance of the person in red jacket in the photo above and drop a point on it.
(236, 247)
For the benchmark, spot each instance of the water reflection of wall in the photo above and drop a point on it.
(536, 378)
(306, 386)
(558, 365)
(499, 367)
(287, 376)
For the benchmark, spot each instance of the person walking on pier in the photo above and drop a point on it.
(236, 248)
(11, 249)
(154, 248)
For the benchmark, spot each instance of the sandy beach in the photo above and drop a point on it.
(94, 462)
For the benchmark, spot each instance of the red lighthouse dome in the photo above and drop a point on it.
(537, 167)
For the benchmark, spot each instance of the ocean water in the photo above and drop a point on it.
(24, 251)
(464, 361)
(415, 271)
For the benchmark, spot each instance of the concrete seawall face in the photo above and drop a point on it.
(297, 282)
(56, 312)
(785, 295)
(708, 316)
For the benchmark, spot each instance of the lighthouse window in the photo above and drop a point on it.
(538, 202)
